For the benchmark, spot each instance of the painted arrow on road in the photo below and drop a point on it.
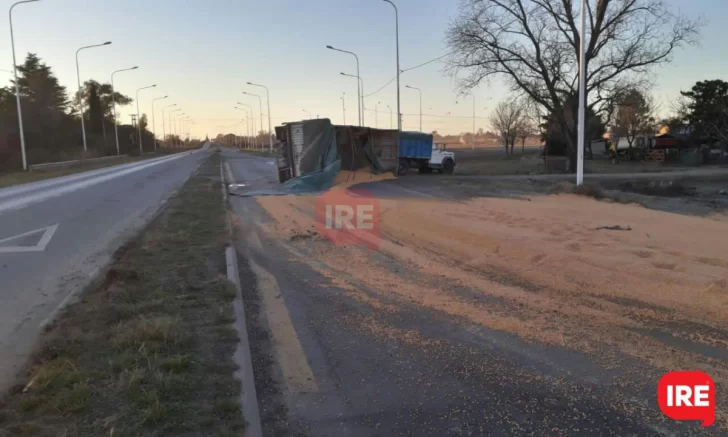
(47, 234)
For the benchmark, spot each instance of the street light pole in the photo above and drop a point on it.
(113, 98)
(154, 124)
(260, 103)
(17, 85)
(359, 91)
(183, 129)
(247, 140)
(582, 97)
(164, 130)
(361, 85)
(251, 119)
(343, 105)
(80, 99)
(376, 115)
(399, 111)
(171, 127)
(270, 129)
(139, 124)
(309, 114)
(176, 128)
(390, 116)
(420, 91)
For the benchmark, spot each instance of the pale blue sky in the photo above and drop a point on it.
(201, 53)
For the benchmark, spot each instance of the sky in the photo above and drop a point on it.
(201, 54)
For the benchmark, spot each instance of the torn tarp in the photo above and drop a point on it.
(312, 153)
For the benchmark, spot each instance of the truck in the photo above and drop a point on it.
(418, 150)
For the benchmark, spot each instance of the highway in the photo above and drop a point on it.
(56, 235)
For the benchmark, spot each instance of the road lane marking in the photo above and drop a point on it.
(296, 371)
(229, 172)
(61, 180)
(40, 246)
(23, 201)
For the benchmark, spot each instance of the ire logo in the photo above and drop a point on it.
(348, 217)
(687, 396)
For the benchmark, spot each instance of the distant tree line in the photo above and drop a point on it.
(51, 120)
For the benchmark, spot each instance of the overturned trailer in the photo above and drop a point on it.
(311, 153)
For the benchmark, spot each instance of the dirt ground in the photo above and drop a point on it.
(617, 281)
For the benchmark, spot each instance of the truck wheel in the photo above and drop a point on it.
(403, 168)
(448, 167)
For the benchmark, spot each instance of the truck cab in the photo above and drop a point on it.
(441, 159)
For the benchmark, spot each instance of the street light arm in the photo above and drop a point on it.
(90, 47)
(20, 3)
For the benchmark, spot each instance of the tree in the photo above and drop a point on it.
(633, 117)
(556, 138)
(143, 123)
(48, 127)
(39, 87)
(105, 96)
(706, 110)
(506, 119)
(534, 46)
(95, 112)
(528, 125)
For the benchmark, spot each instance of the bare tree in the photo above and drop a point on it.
(530, 121)
(534, 45)
(506, 120)
(634, 117)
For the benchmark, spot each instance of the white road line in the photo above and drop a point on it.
(38, 247)
(17, 203)
(45, 184)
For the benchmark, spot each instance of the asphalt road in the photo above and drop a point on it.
(319, 373)
(56, 235)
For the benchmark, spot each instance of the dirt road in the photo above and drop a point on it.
(481, 316)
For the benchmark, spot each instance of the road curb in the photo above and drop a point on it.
(248, 397)
(242, 357)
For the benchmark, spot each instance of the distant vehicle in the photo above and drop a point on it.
(418, 150)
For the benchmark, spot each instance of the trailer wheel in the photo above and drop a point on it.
(403, 167)
(448, 167)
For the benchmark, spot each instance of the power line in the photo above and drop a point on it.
(467, 117)
(408, 69)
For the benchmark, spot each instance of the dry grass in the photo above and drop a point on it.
(149, 352)
(495, 162)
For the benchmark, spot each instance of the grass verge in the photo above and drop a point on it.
(149, 352)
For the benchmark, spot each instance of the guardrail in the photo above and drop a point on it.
(69, 163)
